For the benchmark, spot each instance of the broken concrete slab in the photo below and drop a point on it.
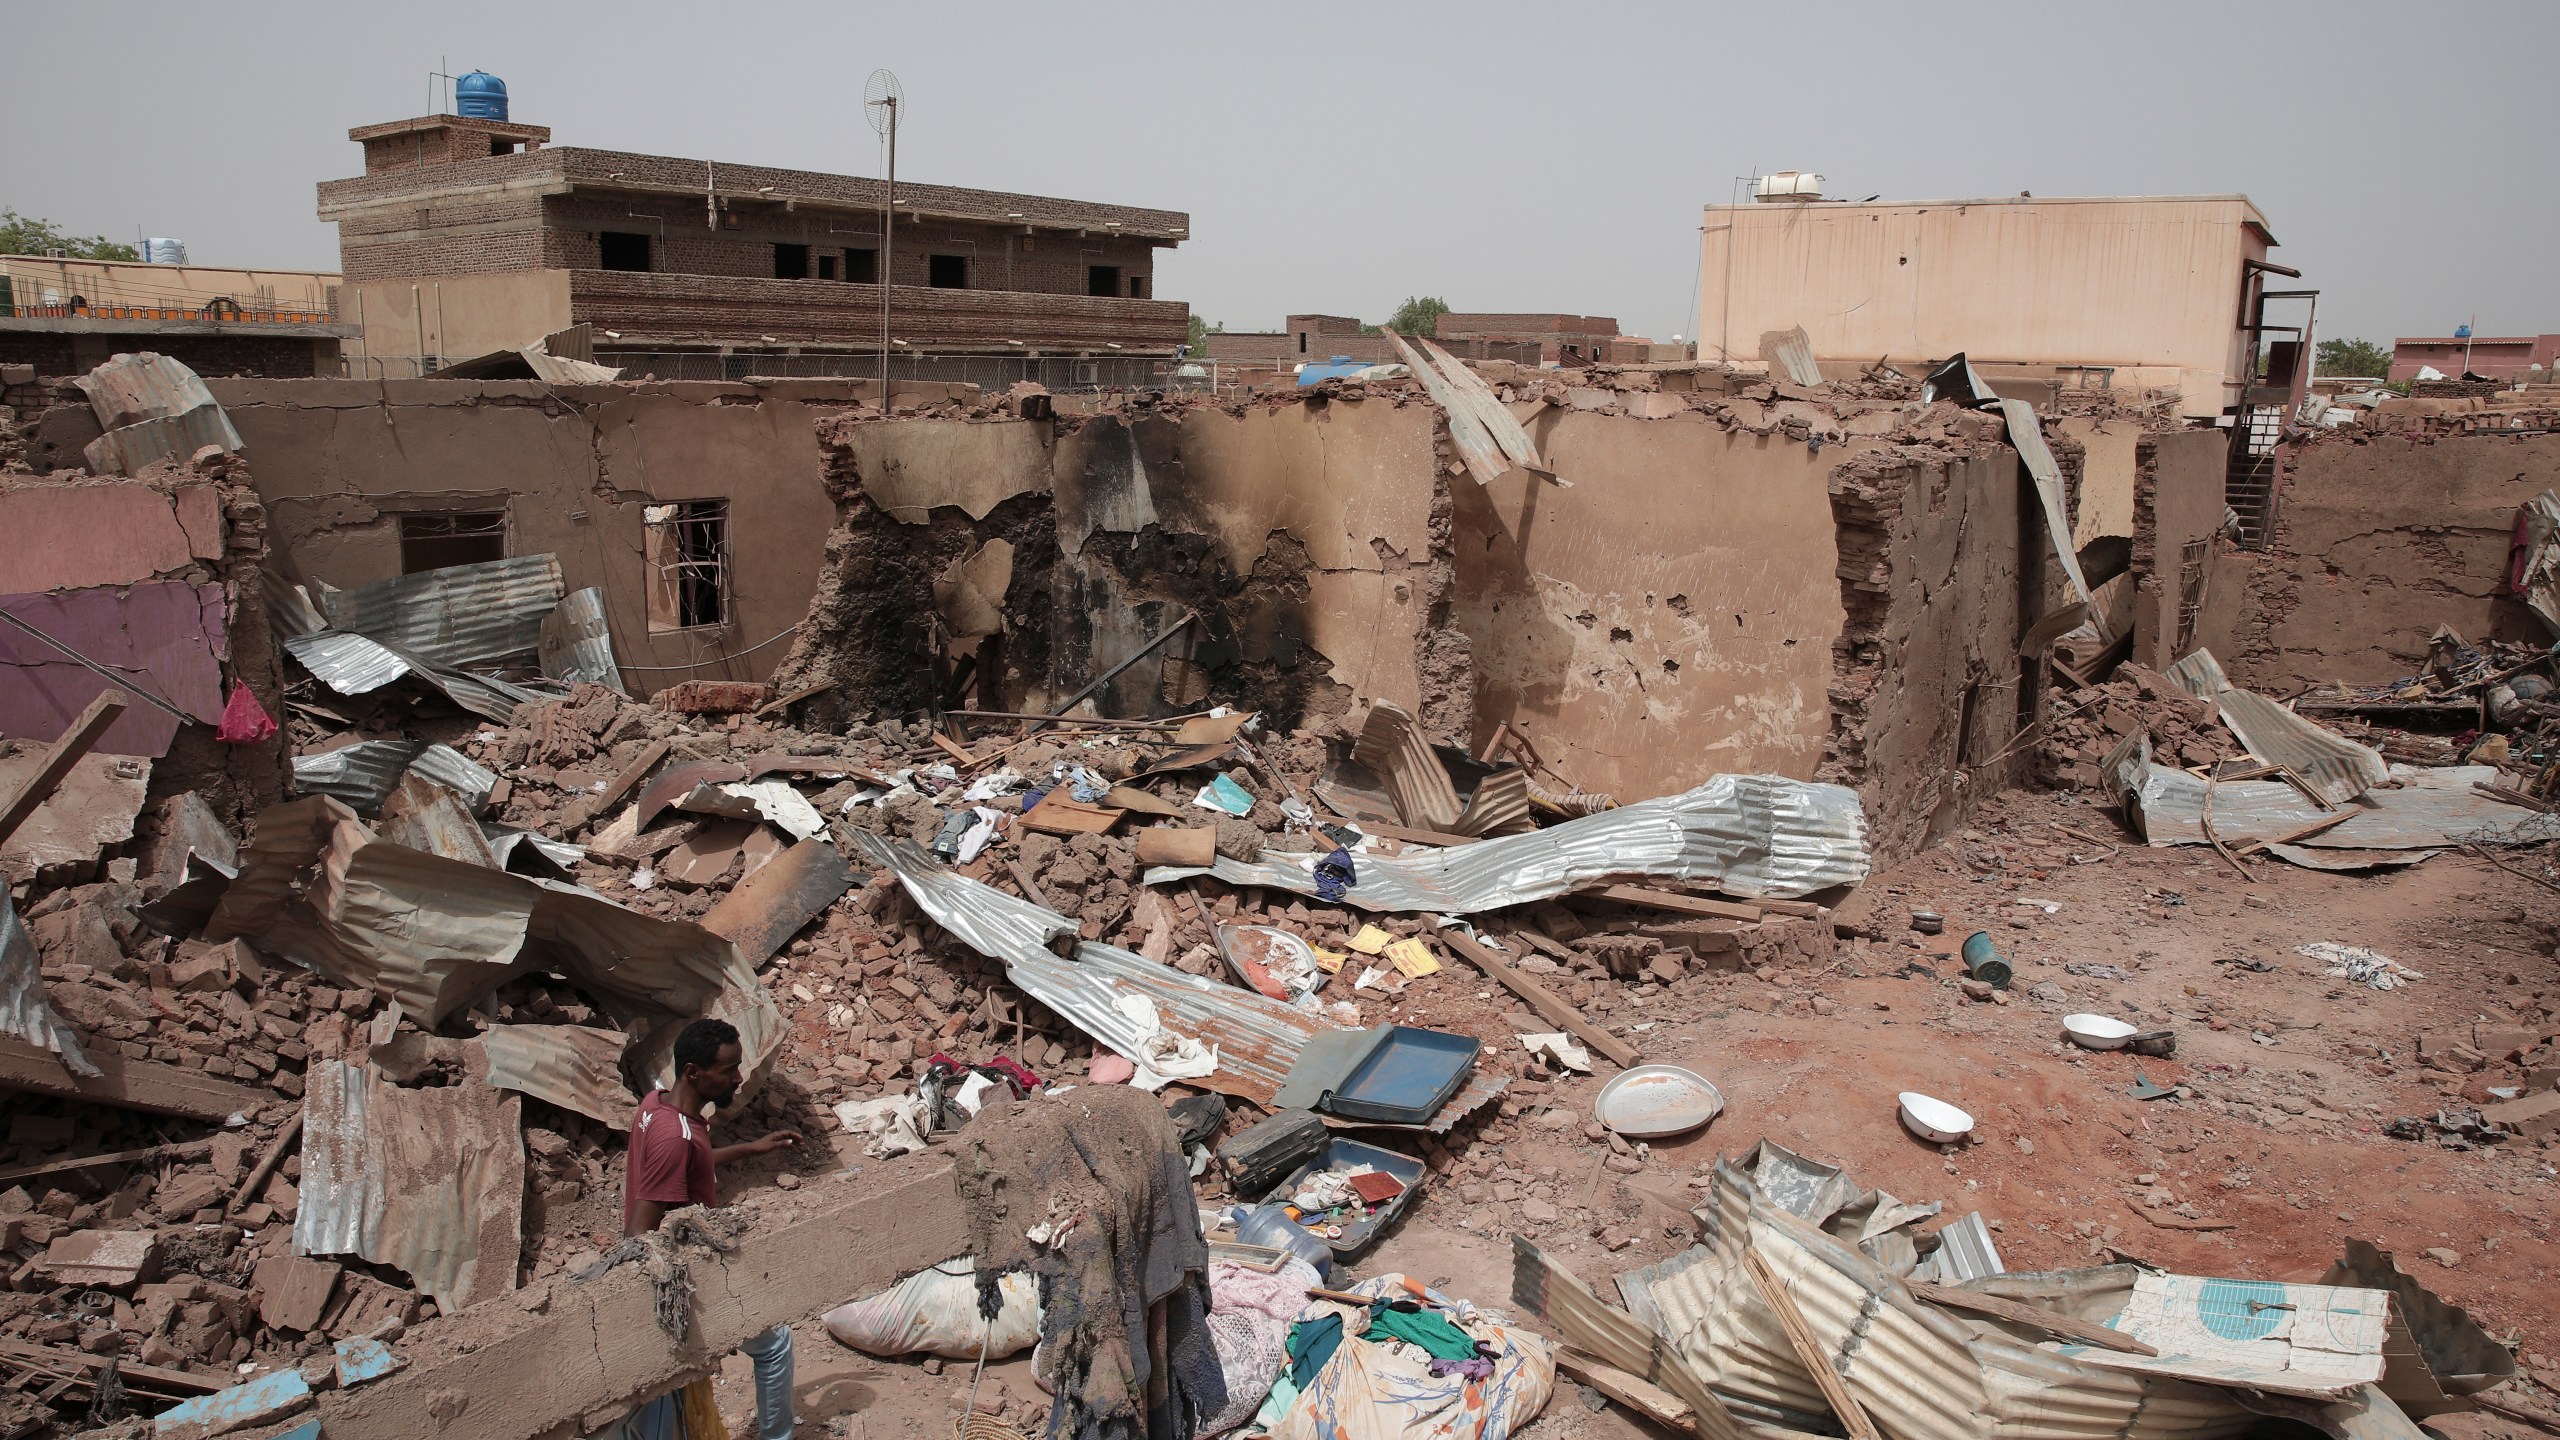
(103, 1259)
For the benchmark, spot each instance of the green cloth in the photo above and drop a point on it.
(1429, 1329)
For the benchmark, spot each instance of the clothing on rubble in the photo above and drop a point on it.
(1380, 1377)
(1427, 1328)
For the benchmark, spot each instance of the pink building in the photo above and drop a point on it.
(2500, 357)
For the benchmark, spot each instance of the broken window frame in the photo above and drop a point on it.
(685, 544)
(431, 531)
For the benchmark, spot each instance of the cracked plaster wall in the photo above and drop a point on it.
(339, 462)
(2380, 539)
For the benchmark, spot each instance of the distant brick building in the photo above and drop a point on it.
(1313, 339)
(1584, 337)
(2500, 357)
(468, 235)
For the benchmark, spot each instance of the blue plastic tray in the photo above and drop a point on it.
(1407, 1078)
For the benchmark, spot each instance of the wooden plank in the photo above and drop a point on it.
(54, 1359)
(1407, 833)
(91, 723)
(1809, 1351)
(954, 749)
(174, 1149)
(1800, 909)
(2052, 1322)
(256, 1181)
(630, 778)
(1547, 1003)
(1059, 815)
(133, 1084)
(1652, 899)
(1031, 890)
(795, 697)
(1633, 1391)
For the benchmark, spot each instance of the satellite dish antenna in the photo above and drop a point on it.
(882, 98)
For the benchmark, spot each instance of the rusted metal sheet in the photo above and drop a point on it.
(1749, 835)
(429, 1180)
(2336, 767)
(1391, 745)
(457, 616)
(576, 1067)
(166, 636)
(1499, 806)
(1257, 1039)
(24, 1011)
(577, 644)
(2026, 437)
(132, 388)
(677, 781)
(132, 449)
(2424, 810)
(1509, 435)
(768, 907)
(1475, 445)
(422, 815)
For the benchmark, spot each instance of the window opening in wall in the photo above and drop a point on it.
(862, 267)
(686, 544)
(617, 250)
(501, 147)
(2191, 562)
(1302, 342)
(1137, 287)
(826, 267)
(470, 537)
(790, 262)
(947, 272)
(1102, 280)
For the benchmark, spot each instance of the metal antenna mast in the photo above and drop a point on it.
(881, 99)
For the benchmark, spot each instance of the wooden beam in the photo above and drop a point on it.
(1546, 1002)
(54, 1359)
(133, 1084)
(104, 711)
(1633, 1391)
(172, 1150)
(1031, 890)
(257, 1178)
(2052, 1322)
(1407, 833)
(1809, 1351)
(1652, 899)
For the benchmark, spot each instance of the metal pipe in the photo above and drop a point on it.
(1107, 676)
(112, 678)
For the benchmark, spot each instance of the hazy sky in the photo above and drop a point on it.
(1338, 157)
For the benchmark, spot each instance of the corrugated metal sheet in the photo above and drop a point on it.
(458, 616)
(428, 1180)
(130, 449)
(767, 908)
(456, 772)
(1391, 745)
(1257, 1038)
(2338, 768)
(24, 1010)
(347, 663)
(2424, 810)
(2027, 438)
(577, 645)
(132, 388)
(1965, 1252)
(1790, 356)
(1509, 435)
(576, 1067)
(364, 773)
(1749, 835)
(1475, 445)
(422, 815)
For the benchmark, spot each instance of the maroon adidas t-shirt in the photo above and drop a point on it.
(669, 1160)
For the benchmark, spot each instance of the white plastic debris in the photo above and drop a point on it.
(2359, 966)
(1559, 1047)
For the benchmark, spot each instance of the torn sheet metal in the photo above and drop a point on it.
(347, 663)
(2027, 438)
(2440, 1354)
(1789, 355)
(576, 1067)
(768, 907)
(457, 616)
(2425, 809)
(772, 801)
(576, 644)
(2337, 768)
(422, 815)
(1965, 1252)
(653, 977)
(2314, 1341)
(1257, 1039)
(2535, 577)
(526, 853)
(678, 781)
(364, 774)
(1499, 805)
(129, 389)
(1509, 435)
(132, 449)
(1391, 745)
(428, 1180)
(1475, 445)
(1748, 835)
(90, 813)
(24, 1010)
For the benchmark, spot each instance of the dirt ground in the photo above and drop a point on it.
(2287, 1080)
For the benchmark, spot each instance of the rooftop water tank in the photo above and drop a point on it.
(1788, 186)
(162, 251)
(480, 96)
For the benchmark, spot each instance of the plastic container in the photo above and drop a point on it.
(1933, 1119)
(1271, 1227)
(2097, 1032)
(480, 96)
(1358, 1235)
(1984, 962)
(1407, 1078)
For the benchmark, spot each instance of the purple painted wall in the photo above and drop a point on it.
(166, 636)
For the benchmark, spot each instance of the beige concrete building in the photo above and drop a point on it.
(2149, 292)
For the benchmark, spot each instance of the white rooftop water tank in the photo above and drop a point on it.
(1789, 185)
(159, 250)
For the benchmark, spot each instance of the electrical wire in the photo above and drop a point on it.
(718, 659)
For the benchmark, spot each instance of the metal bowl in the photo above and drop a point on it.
(1652, 1101)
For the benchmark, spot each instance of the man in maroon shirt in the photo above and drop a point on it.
(670, 1165)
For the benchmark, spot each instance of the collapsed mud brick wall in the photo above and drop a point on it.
(2189, 576)
(2379, 539)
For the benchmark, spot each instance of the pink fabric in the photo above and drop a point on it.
(244, 720)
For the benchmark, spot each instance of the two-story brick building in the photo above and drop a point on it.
(467, 235)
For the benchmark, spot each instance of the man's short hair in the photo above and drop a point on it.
(698, 1044)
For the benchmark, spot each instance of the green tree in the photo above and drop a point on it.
(27, 235)
(1418, 315)
(1201, 330)
(2352, 357)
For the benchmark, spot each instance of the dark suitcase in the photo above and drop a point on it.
(1263, 1154)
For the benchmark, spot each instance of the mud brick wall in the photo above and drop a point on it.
(2379, 539)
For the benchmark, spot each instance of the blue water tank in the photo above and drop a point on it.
(480, 96)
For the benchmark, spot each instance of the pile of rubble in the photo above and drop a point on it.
(2185, 729)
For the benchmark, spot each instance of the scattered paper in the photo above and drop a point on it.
(1413, 958)
(1225, 794)
(1331, 960)
(1371, 940)
(1559, 1047)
